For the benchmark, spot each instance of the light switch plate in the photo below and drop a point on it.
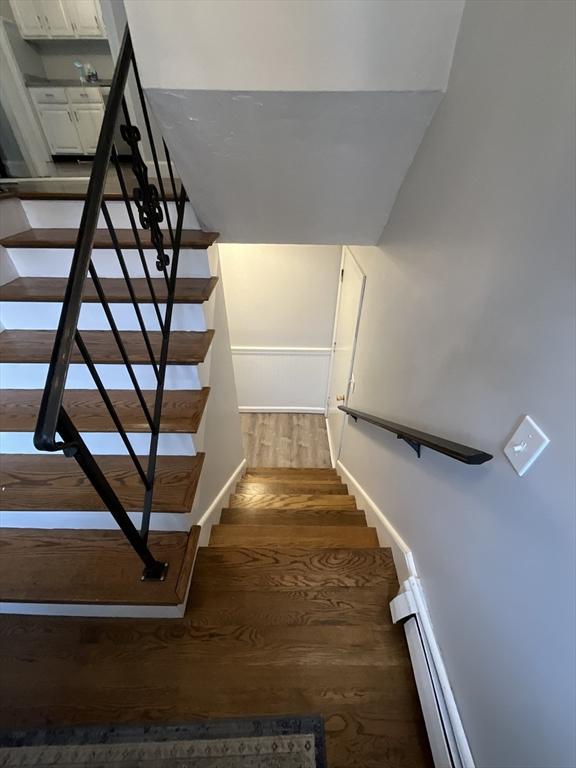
(525, 445)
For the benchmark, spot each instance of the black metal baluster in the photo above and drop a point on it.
(170, 172)
(120, 343)
(137, 240)
(145, 194)
(110, 406)
(130, 287)
(152, 145)
(53, 419)
(148, 498)
(79, 450)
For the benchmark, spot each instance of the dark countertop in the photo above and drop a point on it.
(38, 82)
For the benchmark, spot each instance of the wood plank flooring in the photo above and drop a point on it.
(277, 440)
(296, 627)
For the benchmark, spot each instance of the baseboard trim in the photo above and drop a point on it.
(445, 729)
(387, 534)
(315, 351)
(281, 409)
(97, 521)
(95, 611)
(212, 515)
(333, 457)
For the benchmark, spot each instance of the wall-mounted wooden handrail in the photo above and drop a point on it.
(417, 439)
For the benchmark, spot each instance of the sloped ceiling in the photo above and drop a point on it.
(294, 122)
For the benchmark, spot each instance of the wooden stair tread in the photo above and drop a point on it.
(292, 517)
(289, 568)
(189, 290)
(323, 536)
(74, 190)
(292, 501)
(302, 487)
(51, 482)
(290, 481)
(282, 472)
(66, 238)
(93, 567)
(343, 606)
(182, 410)
(186, 347)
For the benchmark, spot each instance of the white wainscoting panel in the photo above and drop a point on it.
(281, 378)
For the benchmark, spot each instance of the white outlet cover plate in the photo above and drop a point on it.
(525, 445)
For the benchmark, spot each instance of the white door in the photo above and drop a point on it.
(56, 19)
(60, 131)
(345, 333)
(29, 18)
(88, 123)
(85, 15)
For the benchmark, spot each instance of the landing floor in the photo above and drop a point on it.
(285, 440)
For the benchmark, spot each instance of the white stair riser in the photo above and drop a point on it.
(45, 316)
(56, 262)
(67, 215)
(103, 521)
(33, 376)
(107, 443)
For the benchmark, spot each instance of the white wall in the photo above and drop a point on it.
(58, 57)
(469, 320)
(281, 301)
(220, 430)
(326, 45)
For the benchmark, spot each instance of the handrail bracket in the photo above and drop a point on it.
(412, 443)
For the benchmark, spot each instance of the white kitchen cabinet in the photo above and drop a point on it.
(29, 18)
(56, 18)
(60, 130)
(88, 123)
(85, 17)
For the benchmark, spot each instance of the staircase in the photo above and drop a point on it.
(103, 356)
(287, 613)
(292, 508)
(60, 552)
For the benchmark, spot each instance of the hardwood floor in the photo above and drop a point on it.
(285, 440)
(299, 627)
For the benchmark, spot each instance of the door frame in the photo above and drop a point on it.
(346, 253)
(19, 111)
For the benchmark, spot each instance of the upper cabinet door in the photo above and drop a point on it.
(57, 19)
(29, 18)
(85, 17)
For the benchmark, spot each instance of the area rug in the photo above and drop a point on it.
(263, 742)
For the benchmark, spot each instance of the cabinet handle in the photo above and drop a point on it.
(47, 22)
(69, 117)
(97, 22)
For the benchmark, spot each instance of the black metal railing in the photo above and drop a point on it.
(151, 205)
(416, 439)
